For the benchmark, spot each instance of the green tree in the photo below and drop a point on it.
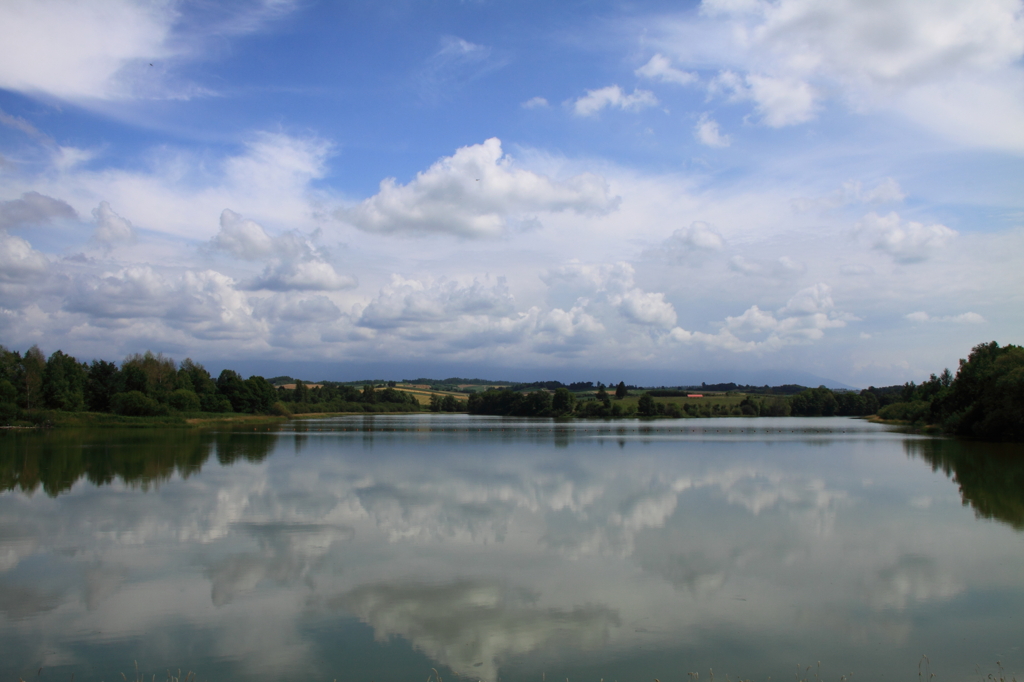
(159, 372)
(101, 384)
(563, 402)
(231, 386)
(262, 393)
(194, 377)
(621, 391)
(136, 404)
(986, 399)
(369, 395)
(10, 379)
(646, 406)
(33, 365)
(64, 383)
(814, 402)
(184, 400)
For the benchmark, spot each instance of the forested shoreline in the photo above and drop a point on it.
(148, 385)
(984, 400)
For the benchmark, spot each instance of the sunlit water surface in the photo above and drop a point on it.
(379, 548)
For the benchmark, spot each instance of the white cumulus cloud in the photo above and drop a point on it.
(474, 193)
(803, 319)
(411, 302)
(19, 262)
(609, 286)
(111, 228)
(293, 263)
(707, 133)
(242, 238)
(905, 241)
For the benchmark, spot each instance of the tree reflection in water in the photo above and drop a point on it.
(990, 475)
(58, 459)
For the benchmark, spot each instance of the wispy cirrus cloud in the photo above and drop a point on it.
(952, 67)
(114, 50)
(613, 97)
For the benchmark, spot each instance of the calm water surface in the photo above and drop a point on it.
(378, 548)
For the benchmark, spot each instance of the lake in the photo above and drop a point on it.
(380, 548)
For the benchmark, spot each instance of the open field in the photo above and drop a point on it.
(423, 394)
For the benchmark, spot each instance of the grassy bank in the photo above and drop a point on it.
(45, 419)
(58, 419)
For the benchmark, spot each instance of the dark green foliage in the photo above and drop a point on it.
(369, 395)
(446, 403)
(184, 400)
(514, 403)
(101, 384)
(262, 394)
(915, 411)
(33, 365)
(8, 393)
(990, 475)
(621, 391)
(986, 399)
(215, 402)
(231, 386)
(136, 404)
(58, 458)
(814, 402)
(11, 380)
(133, 378)
(563, 402)
(8, 413)
(646, 406)
(194, 377)
(390, 395)
(64, 383)
(153, 375)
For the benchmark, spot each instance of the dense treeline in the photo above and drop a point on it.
(147, 385)
(985, 400)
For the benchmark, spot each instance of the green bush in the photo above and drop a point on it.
(914, 411)
(280, 409)
(184, 400)
(136, 404)
(215, 402)
(8, 413)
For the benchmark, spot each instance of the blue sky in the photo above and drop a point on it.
(575, 190)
